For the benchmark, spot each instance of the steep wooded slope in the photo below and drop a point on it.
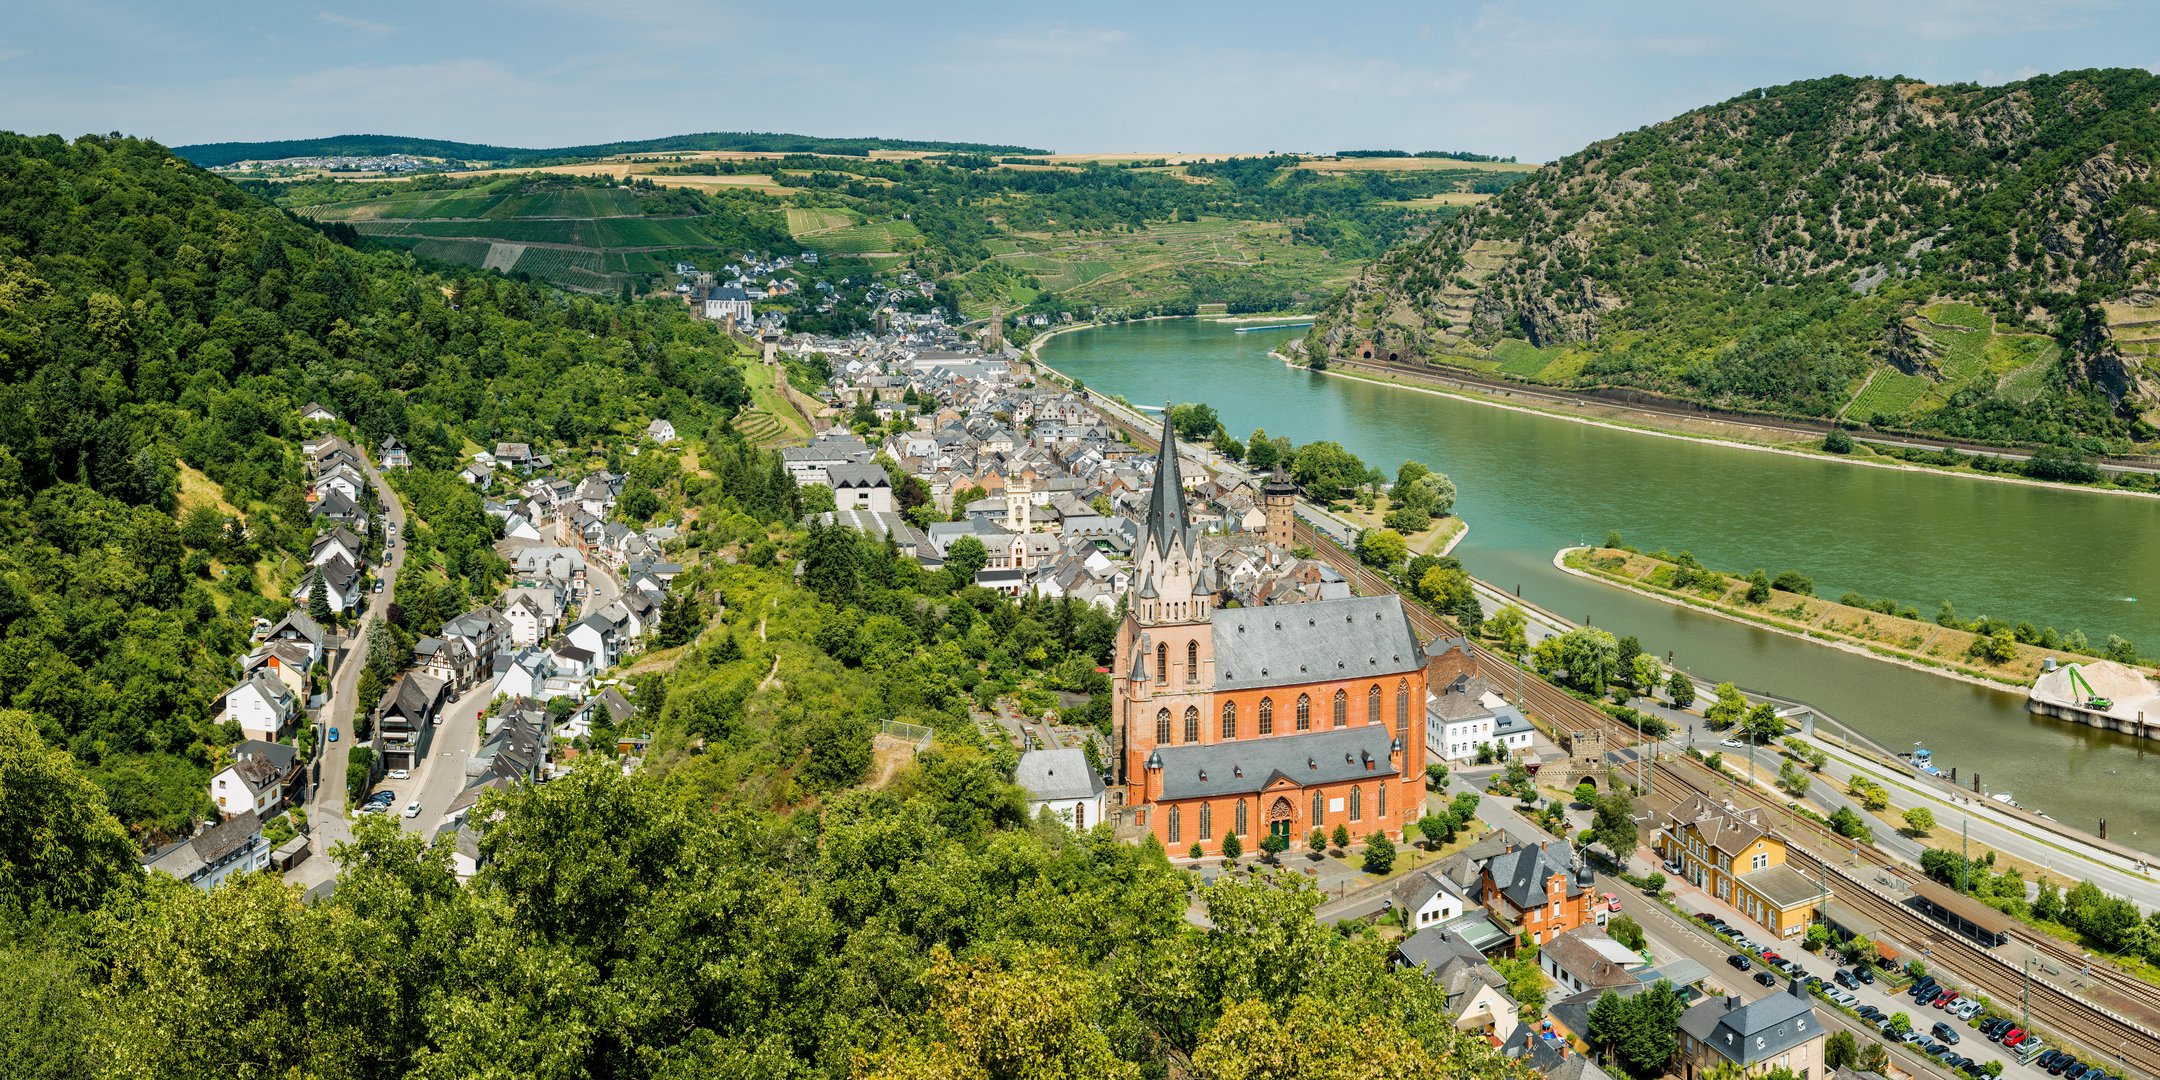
(1975, 260)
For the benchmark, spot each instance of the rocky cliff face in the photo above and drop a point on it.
(1824, 213)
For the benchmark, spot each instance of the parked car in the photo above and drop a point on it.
(1968, 1010)
(1945, 1032)
(401, 774)
(1772, 958)
(1740, 961)
(378, 584)
(333, 734)
(412, 810)
(1994, 1027)
(1612, 901)
(2062, 1065)
(1845, 979)
(1733, 744)
(1869, 1013)
(1843, 997)
(1673, 867)
(2016, 1036)
(1766, 978)
(1863, 973)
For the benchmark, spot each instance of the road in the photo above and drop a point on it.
(327, 823)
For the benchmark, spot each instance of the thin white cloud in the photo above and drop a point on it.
(352, 23)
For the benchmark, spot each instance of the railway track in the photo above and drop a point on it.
(2108, 1018)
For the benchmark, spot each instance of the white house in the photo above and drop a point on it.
(1466, 714)
(263, 706)
(1061, 781)
(1585, 958)
(339, 542)
(341, 478)
(595, 635)
(313, 411)
(258, 778)
(532, 614)
(1428, 899)
(660, 431)
(861, 486)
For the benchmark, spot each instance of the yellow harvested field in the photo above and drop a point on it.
(1445, 198)
(1338, 165)
(1113, 159)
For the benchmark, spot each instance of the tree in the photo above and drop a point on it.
(1681, 689)
(1274, 844)
(964, 557)
(1586, 793)
(1758, 590)
(1875, 1058)
(1841, 1049)
(1763, 724)
(1614, 825)
(1795, 781)
(1899, 1022)
(318, 600)
(1627, 931)
(1197, 852)
(1592, 658)
(1232, 847)
(1506, 630)
(1641, 1032)
(1382, 549)
(1839, 441)
(60, 851)
(359, 773)
(1525, 980)
(1849, 825)
(1342, 836)
(1727, 710)
(1317, 841)
(1435, 775)
(2047, 904)
(1919, 821)
(1379, 854)
(1194, 422)
(1793, 581)
(1645, 673)
(1438, 829)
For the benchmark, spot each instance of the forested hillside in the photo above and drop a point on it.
(159, 332)
(1981, 262)
(772, 895)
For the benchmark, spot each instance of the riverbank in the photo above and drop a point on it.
(1934, 649)
(1734, 433)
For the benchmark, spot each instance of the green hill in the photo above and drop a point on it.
(591, 234)
(212, 155)
(1980, 262)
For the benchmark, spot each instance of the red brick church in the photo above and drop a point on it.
(1279, 718)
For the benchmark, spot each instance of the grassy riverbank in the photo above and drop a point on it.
(1899, 638)
(1736, 433)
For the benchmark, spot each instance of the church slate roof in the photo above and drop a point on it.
(1245, 766)
(1166, 523)
(1350, 638)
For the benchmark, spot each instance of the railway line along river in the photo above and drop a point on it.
(1531, 484)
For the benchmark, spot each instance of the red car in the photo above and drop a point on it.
(2016, 1036)
(1943, 999)
(1772, 957)
(1612, 901)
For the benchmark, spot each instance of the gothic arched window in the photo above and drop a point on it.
(1174, 830)
(1207, 822)
(1383, 800)
(1162, 661)
(1267, 716)
(1192, 724)
(1304, 712)
(1242, 829)
(1319, 806)
(1342, 708)
(1402, 711)
(1192, 661)
(1357, 804)
(1162, 727)
(1229, 720)
(1372, 704)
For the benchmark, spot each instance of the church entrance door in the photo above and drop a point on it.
(1279, 818)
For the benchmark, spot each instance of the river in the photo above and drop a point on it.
(1531, 484)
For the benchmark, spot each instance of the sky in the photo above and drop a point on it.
(1534, 80)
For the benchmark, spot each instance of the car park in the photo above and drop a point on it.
(1739, 961)
(1766, 978)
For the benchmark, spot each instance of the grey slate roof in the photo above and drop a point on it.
(1057, 774)
(1166, 524)
(1757, 1030)
(1349, 638)
(1248, 765)
(853, 474)
(1521, 874)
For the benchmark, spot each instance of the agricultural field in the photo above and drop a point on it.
(1410, 164)
(1966, 350)
(1131, 269)
(868, 237)
(1524, 360)
(806, 220)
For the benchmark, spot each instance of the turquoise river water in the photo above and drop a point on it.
(1532, 484)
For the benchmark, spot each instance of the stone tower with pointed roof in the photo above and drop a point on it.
(1279, 496)
(1275, 719)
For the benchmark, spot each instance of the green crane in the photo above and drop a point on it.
(2093, 700)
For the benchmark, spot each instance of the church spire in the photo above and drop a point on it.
(1167, 525)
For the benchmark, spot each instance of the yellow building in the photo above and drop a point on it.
(1732, 854)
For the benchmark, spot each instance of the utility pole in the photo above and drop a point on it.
(1965, 865)
(2026, 1022)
